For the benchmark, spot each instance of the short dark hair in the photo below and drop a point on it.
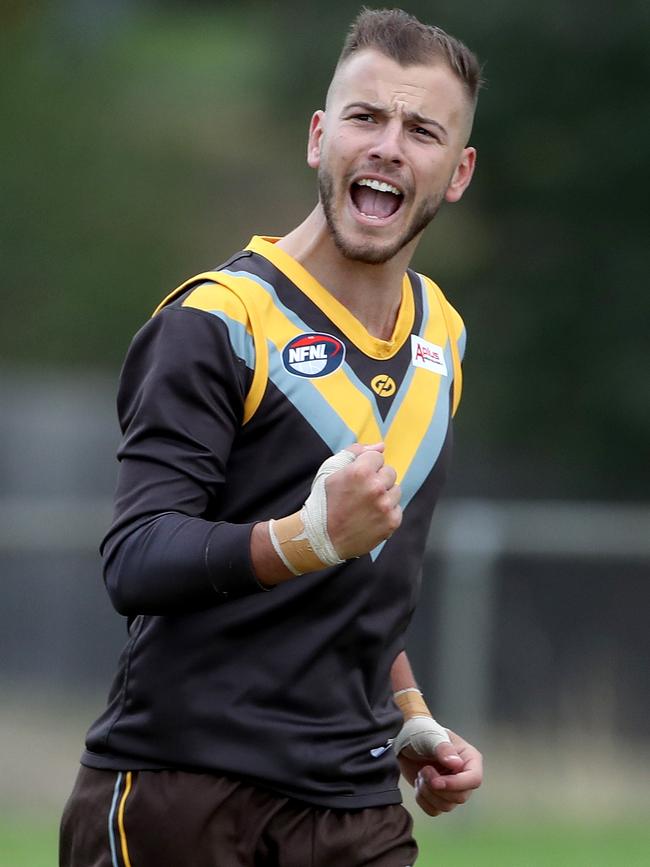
(409, 42)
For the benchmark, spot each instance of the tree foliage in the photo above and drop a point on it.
(148, 144)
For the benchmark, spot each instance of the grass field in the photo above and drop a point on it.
(538, 846)
(34, 844)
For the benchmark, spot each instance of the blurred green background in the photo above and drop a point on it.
(146, 141)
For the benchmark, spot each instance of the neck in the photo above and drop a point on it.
(372, 293)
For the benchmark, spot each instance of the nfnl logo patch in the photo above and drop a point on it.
(313, 355)
(428, 355)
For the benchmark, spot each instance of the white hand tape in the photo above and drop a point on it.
(314, 511)
(421, 733)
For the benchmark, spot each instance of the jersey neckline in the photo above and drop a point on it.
(372, 346)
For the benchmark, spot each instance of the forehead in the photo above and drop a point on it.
(432, 90)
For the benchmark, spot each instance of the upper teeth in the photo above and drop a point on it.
(381, 186)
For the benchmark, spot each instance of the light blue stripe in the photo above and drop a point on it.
(370, 395)
(406, 382)
(424, 295)
(286, 382)
(429, 449)
(293, 317)
(240, 340)
(432, 442)
(462, 337)
(111, 817)
(329, 425)
(461, 344)
(313, 407)
(398, 400)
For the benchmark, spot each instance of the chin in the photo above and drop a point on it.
(365, 246)
(368, 253)
(358, 245)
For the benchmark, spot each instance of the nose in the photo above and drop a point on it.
(387, 146)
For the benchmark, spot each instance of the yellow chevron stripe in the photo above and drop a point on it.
(333, 309)
(211, 296)
(454, 325)
(120, 821)
(193, 281)
(354, 408)
(351, 405)
(254, 307)
(261, 372)
(410, 423)
(337, 390)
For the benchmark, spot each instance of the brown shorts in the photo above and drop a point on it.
(178, 819)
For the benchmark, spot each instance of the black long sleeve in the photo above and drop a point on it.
(180, 405)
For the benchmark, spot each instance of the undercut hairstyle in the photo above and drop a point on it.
(409, 42)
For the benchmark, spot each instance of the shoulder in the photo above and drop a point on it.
(215, 298)
(455, 324)
(455, 320)
(205, 304)
(199, 330)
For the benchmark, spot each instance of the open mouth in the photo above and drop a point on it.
(376, 200)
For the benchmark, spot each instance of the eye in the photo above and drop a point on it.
(426, 133)
(364, 118)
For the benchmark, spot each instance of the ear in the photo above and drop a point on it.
(462, 175)
(315, 139)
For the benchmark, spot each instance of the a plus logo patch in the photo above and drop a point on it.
(428, 355)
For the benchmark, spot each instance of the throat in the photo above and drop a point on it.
(373, 297)
(378, 321)
(373, 203)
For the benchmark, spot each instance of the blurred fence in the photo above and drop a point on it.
(532, 614)
(540, 614)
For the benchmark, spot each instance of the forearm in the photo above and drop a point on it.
(266, 564)
(419, 730)
(180, 407)
(401, 673)
(443, 768)
(175, 562)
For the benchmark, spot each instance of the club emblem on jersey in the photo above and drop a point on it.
(383, 385)
(313, 355)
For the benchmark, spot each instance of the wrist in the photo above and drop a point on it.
(419, 731)
(302, 544)
(268, 569)
(411, 702)
(301, 540)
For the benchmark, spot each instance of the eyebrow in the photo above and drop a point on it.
(373, 108)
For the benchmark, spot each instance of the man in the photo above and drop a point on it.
(286, 432)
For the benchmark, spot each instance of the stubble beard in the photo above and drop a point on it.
(371, 253)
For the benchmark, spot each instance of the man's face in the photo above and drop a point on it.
(389, 149)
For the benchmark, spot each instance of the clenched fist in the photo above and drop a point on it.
(362, 502)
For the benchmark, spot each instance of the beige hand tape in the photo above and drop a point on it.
(411, 703)
(301, 540)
